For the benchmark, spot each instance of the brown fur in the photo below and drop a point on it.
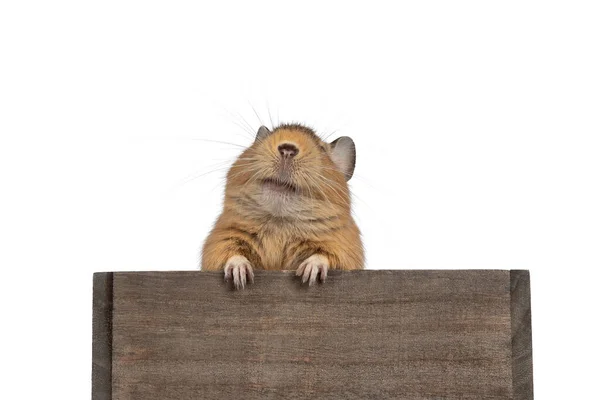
(275, 231)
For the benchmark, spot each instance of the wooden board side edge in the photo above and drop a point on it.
(520, 310)
(102, 336)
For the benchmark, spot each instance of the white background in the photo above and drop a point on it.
(476, 123)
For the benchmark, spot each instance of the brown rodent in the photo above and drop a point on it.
(287, 206)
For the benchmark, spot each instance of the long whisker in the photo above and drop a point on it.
(353, 195)
(219, 141)
(326, 138)
(255, 113)
(239, 121)
(354, 176)
(194, 177)
(316, 184)
(250, 130)
(335, 190)
(269, 111)
(254, 177)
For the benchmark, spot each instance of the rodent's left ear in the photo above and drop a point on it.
(343, 154)
(262, 133)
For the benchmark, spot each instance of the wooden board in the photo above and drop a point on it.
(372, 334)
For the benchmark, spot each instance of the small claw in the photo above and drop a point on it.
(243, 276)
(228, 276)
(324, 272)
(236, 276)
(250, 273)
(306, 274)
(239, 270)
(313, 275)
(314, 266)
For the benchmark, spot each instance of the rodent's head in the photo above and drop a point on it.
(290, 171)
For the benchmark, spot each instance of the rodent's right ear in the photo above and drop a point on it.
(343, 155)
(262, 133)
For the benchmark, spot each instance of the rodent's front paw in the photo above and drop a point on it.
(239, 269)
(317, 264)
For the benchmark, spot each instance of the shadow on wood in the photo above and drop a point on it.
(362, 335)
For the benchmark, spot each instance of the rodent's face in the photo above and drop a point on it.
(290, 169)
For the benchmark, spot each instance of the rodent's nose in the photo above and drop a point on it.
(287, 150)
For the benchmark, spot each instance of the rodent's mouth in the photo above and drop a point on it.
(279, 186)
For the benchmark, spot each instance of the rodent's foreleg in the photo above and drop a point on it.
(233, 255)
(239, 270)
(312, 259)
(317, 264)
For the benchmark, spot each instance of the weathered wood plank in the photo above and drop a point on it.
(521, 335)
(102, 337)
(362, 334)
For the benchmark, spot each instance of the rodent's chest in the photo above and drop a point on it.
(276, 247)
(272, 252)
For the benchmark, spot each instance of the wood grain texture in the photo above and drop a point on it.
(363, 334)
(521, 335)
(102, 337)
